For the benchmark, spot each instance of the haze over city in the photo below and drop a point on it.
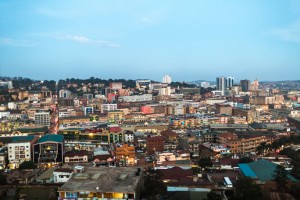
(146, 39)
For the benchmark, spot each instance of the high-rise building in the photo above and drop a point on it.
(205, 84)
(221, 84)
(167, 79)
(245, 85)
(230, 82)
(42, 118)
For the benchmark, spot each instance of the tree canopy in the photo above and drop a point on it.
(153, 183)
(27, 165)
(246, 189)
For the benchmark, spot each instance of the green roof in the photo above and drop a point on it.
(261, 169)
(32, 129)
(51, 138)
(22, 138)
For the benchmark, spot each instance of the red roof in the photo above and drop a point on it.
(168, 133)
(176, 173)
(155, 138)
(115, 129)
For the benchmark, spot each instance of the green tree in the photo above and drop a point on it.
(245, 159)
(280, 175)
(27, 165)
(205, 162)
(246, 189)
(2, 179)
(213, 196)
(153, 183)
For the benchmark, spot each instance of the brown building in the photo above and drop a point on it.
(154, 144)
(169, 135)
(223, 109)
(246, 145)
(225, 137)
(125, 153)
(76, 156)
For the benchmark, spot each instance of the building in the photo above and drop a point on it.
(230, 81)
(221, 84)
(19, 150)
(167, 79)
(88, 110)
(245, 85)
(115, 116)
(115, 85)
(76, 156)
(62, 175)
(125, 153)
(165, 91)
(108, 107)
(169, 136)
(65, 94)
(246, 145)
(223, 109)
(42, 118)
(102, 183)
(205, 84)
(136, 98)
(3, 158)
(154, 144)
(49, 149)
(128, 136)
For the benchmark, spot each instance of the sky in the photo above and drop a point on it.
(146, 39)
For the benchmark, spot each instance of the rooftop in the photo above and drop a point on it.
(103, 179)
(51, 138)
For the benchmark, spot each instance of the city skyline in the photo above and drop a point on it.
(148, 39)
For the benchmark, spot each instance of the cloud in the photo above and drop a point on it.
(15, 42)
(291, 33)
(86, 40)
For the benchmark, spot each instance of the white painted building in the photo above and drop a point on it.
(19, 150)
(62, 175)
(42, 118)
(128, 136)
(165, 91)
(4, 115)
(108, 107)
(167, 79)
(205, 84)
(12, 105)
(136, 98)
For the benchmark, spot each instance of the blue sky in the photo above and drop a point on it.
(189, 40)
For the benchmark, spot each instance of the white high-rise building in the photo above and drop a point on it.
(42, 118)
(221, 83)
(167, 79)
(205, 84)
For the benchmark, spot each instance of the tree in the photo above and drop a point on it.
(2, 179)
(27, 165)
(245, 159)
(205, 162)
(246, 189)
(280, 175)
(153, 183)
(213, 196)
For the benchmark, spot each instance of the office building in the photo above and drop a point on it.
(19, 150)
(42, 118)
(230, 82)
(167, 79)
(49, 149)
(245, 85)
(221, 84)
